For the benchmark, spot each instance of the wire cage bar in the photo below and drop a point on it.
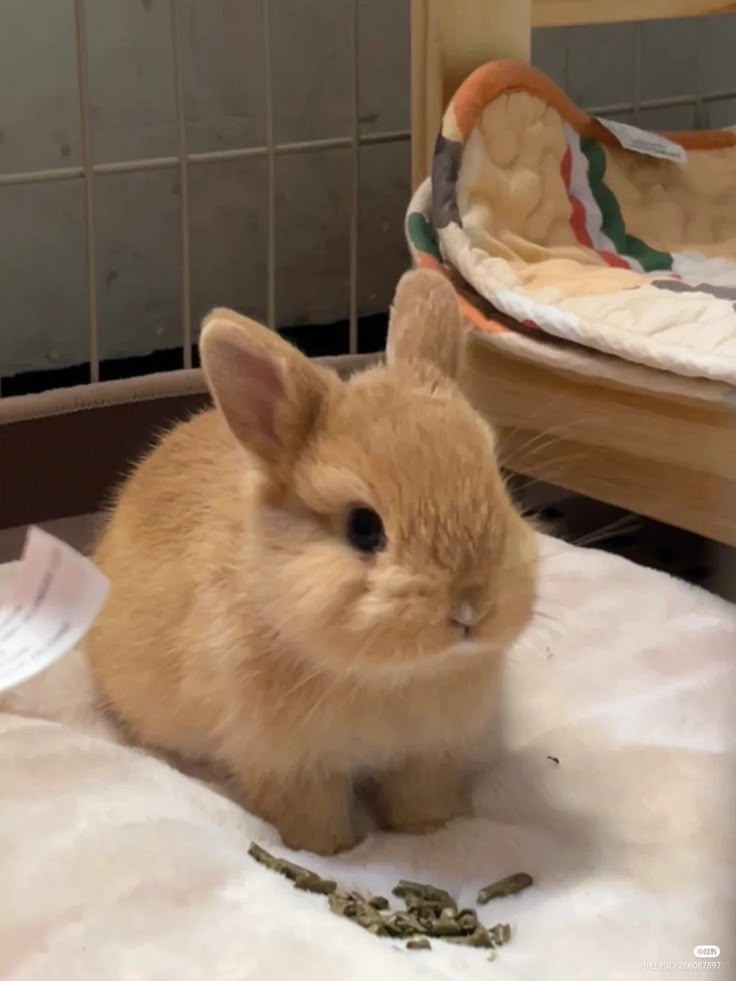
(636, 95)
(355, 181)
(80, 26)
(184, 222)
(270, 152)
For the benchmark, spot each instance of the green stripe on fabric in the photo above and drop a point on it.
(423, 235)
(613, 225)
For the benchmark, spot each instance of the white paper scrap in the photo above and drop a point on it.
(53, 599)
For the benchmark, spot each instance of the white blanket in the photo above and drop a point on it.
(114, 866)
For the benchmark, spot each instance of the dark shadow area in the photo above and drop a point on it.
(314, 340)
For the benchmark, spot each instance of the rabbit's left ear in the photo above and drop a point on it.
(426, 325)
(268, 392)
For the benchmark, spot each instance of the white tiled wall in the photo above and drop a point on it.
(132, 93)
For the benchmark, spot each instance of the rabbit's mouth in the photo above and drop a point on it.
(471, 647)
(414, 662)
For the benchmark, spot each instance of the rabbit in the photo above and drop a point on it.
(316, 579)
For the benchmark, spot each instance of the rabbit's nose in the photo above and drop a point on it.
(465, 616)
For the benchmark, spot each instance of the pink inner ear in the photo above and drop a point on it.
(256, 388)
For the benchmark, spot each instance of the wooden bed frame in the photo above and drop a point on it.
(667, 458)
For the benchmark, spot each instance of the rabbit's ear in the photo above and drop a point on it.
(425, 325)
(269, 393)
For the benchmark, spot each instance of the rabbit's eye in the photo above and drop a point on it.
(365, 530)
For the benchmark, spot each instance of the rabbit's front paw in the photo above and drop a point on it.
(319, 840)
(311, 812)
(422, 794)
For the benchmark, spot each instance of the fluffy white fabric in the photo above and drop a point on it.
(115, 866)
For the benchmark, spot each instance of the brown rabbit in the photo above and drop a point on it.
(317, 579)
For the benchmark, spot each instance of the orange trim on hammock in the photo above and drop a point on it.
(470, 312)
(498, 78)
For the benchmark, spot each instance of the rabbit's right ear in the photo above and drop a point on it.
(426, 326)
(269, 393)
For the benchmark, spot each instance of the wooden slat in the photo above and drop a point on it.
(449, 39)
(425, 104)
(565, 13)
(664, 458)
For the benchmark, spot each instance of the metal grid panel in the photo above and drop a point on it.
(184, 160)
(80, 26)
(87, 171)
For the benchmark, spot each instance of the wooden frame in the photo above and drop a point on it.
(669, 458)
(566, 13)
